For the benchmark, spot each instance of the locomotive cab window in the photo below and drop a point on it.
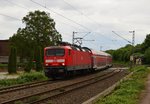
(55, 52)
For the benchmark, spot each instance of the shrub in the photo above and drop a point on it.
(34, 76)
(25, 78)
(38, 56)
(147, 56)
(29, 64)
(12, 64)
(129, 90)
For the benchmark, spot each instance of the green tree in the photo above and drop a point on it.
(29, 64)
(12, 63)
(39, 30)
(22, 43)
(146, 42)
(121, 54)
(138, 48)
(147, 55)
(38, 59)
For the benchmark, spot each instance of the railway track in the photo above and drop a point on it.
(51, 93)
(24, 86)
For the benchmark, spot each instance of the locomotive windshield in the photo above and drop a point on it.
(55, 52)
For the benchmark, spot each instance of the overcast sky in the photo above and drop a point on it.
(99, 17)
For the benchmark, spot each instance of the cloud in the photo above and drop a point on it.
(101, 17)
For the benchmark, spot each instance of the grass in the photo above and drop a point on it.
(33, 98)
(128, 92)
(121, 63)
(18, 102)
(3, 65)
(24, 78)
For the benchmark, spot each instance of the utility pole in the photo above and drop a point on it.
(133, 40)
(101, 48)
(133, 37)
(78, 39)
(73, 37)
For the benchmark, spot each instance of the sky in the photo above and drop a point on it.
(92, 19)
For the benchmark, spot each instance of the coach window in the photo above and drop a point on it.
(69, 52)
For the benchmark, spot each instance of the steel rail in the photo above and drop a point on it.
(63, 89)
(23, 86)
(70, 88)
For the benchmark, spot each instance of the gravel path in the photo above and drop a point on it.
(146, 94)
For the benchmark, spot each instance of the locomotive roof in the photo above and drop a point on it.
(73, 47)
(66, 47)
(100, 53)
(93, 51)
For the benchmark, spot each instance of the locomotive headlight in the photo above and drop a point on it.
(63, 64)
(47, 61)
(61, 60)
(46, 64)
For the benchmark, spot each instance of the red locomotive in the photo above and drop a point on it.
(67, 59)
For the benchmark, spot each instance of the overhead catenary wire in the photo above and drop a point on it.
(70, 25)
(122, 37)
(17, 4)
(44, 6)
(20, 6)
(80, 12)
(29, 10)
(10, 17)
(86, 28)
(94, 22)
(87, 18)
(72, 7)
(14, 18)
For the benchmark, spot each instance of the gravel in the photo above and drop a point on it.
(83, 94)
(75, 97)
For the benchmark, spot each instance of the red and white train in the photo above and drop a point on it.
(68, 59)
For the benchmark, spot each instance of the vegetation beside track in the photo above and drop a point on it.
(3, 66)
(24, 78)
(121, 64)
(128, 92)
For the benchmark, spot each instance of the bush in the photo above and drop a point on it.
(129, 90)
(12, 64)
(25, 78)
(38, 56)
(147, 56)
(34, 76)
(29, 64)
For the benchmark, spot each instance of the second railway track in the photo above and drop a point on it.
(50, 93)
(23, 86)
